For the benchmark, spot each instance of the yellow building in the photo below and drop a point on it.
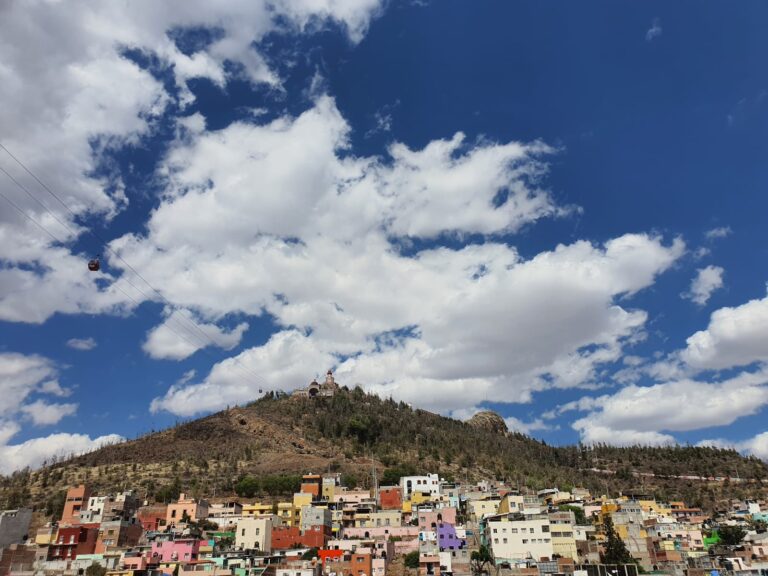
(257, 509)
(478, 509)
(381, 518)
(420, 498)
(509, 503)
(654, 508)
(46, 535)
(288, 515)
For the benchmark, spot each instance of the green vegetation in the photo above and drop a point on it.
(731, 535)
(95, 569)
(479, 559)
(578, 512)
(260, 449)
(250, 486)
(615, 551)
(412, 559)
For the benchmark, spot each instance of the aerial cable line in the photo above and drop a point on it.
(56, 239)
(71, 231)
(200, 345)
(92, 232)
(105, 243)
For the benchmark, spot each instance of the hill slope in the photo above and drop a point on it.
(352, 431)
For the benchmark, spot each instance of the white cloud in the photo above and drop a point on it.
(181, 335)
(20, 376)
(517, 425)
(82, 343)
(43, 414)
(720, 232)
(643, 413)
(555, 309)
(282, 362)
(755, 446)
(706, 281)
(35, 451)
(654, 31)
(735, 336)
(70, 95)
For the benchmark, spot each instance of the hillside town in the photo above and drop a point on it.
(421, 525)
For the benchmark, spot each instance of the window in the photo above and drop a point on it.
(545, 528)
(495, 531)
(243, 532)
(505, 540)
(495, 540)
(525, 541)
(513, 530)
(257, 531)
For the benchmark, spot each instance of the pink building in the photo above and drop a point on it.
(134, 563)
(432, 519)
(382, 532)
(186, 549)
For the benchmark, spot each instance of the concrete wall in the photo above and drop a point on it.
(14, 526)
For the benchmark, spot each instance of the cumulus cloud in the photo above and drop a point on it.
(736, 336)
(44, 414)
(71, 95)
(34, 452)
(22, 377)
(654, 31)
(81, 343)
(181, 335)
(755, 446)
(642, 414)
(706, 281)
(282, 361)
(517, 425)
(463, 311)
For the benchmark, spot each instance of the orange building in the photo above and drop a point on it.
(390, 498)
(186, 508)
(77, 499)
(349, 564)
(287, 537)
(312, 484)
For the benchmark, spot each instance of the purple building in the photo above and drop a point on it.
(447, 539)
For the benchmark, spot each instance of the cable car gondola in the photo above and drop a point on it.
(94, 265)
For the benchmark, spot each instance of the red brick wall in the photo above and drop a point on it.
(284, 537)
(390, 499)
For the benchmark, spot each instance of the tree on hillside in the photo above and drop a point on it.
(578, 512)
(479, 559)
(95, 569)
(615, 551)
(412, 559)
(731, 535)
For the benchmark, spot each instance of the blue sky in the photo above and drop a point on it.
(555, 210)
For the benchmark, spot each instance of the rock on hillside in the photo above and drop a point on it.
(488, 420)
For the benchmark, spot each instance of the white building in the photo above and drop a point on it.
(429, 483)
(254, 534)
(514, 540)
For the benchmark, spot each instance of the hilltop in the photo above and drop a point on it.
(350, 432)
